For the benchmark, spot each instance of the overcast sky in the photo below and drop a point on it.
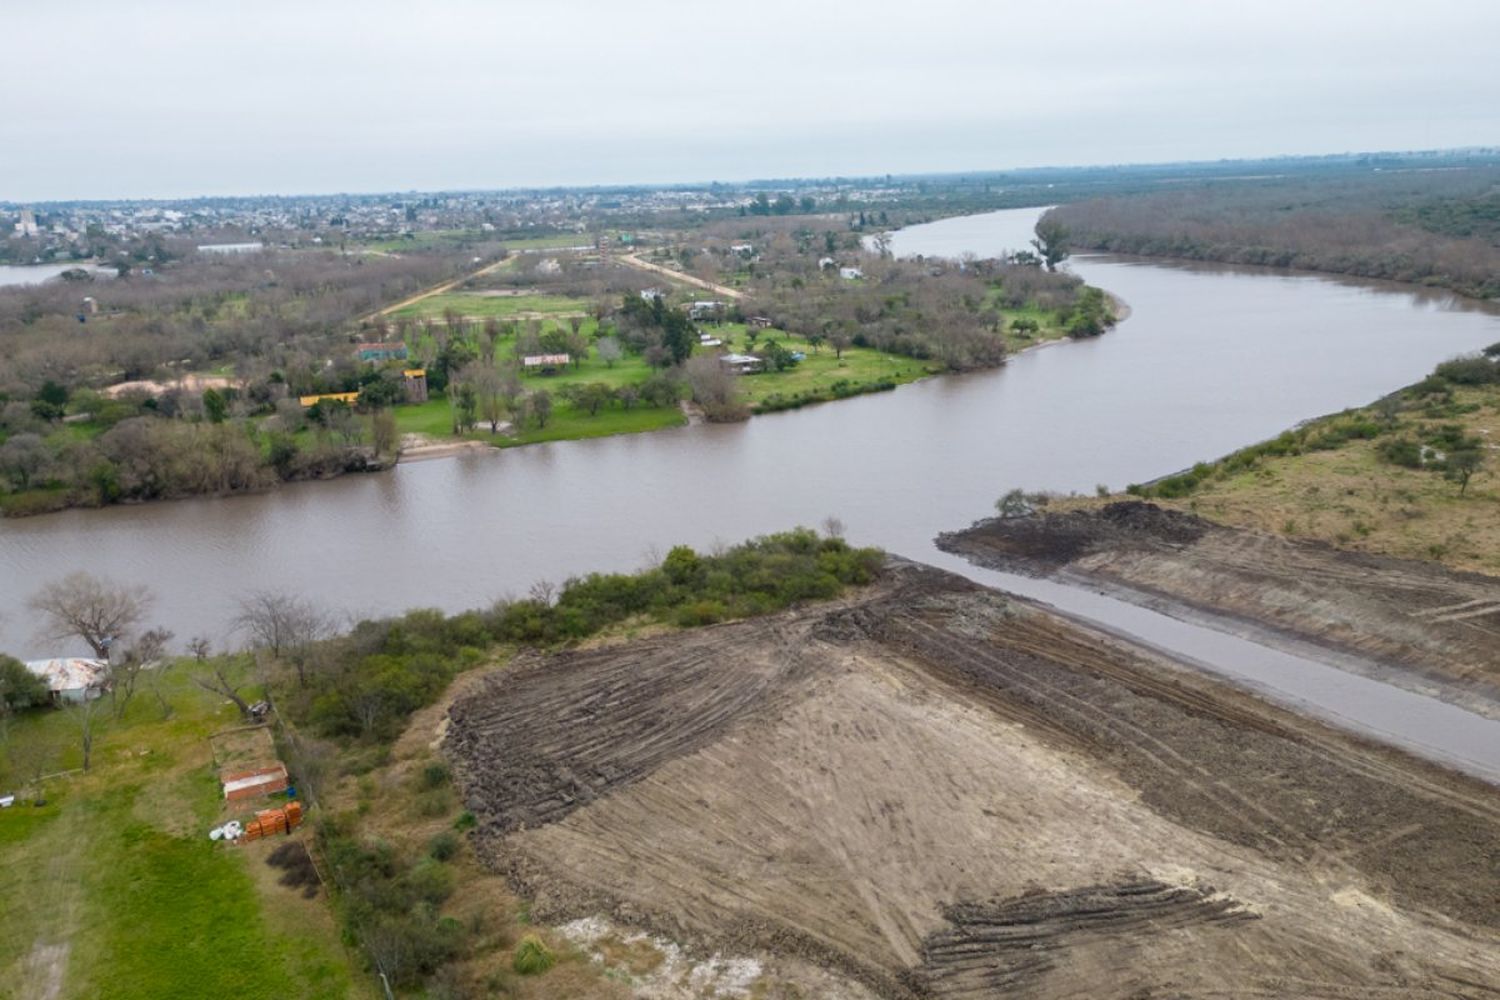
(165, 98)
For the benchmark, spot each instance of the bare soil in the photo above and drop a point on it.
(1412, 623)
(936, 790)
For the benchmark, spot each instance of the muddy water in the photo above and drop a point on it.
(1211, 359)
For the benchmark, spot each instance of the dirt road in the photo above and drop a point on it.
(724, 290)
(939, 791)
(1414, 624)
(446, 286)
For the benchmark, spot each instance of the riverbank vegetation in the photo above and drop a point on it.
(1432, 227)
(354, 716)
(1415, 475)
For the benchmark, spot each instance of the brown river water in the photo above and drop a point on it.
(1211, 359)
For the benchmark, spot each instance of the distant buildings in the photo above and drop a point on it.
(231, 247)
(27, 225)
(382, 352)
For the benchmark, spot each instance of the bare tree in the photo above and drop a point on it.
(86, 713)
(284, 625)
(833, 526)
(144, 654)
(86, 607)
(200, 647)
(609, 351)
(217, 680)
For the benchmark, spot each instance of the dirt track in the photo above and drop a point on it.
(939, 791)
(1435, 629)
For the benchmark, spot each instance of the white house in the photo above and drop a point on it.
(72, 679)
(851, 273)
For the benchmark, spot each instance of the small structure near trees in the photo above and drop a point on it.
(72, 679)
(547, 364)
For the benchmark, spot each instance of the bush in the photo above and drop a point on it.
(1401, 451)
(435, 775)
(532, 957)
(1475, 370)
(443, 847)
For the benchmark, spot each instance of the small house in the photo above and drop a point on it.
(71, 679)
(708, 309)
(547, 364)
(824, 263)
(758, 322)
(851, 273)
(744, 364)
(379, 353)
(652, 294)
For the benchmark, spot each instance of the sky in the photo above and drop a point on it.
(180, 98)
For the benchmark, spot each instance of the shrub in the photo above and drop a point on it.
(533, 956)
(443, 847)
(435, 775)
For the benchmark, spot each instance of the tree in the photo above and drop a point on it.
(1014, 504)
(678, 335)
(22, 458)
(98, 611)
(383, 435)
(20, 689)
(840, 341)
(284, 625)
(1051, 242)
(85, 714)
(608, 349)
(541, 407)
(215, 406)
(216, 678)
(1462, 465)
(144, 654)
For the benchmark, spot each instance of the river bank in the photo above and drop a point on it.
(1403, 622)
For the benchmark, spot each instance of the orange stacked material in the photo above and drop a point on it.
(270, 822)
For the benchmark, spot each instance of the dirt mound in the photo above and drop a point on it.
(1000, 947)
(553, 736)
(1052, 540)
(910, 789)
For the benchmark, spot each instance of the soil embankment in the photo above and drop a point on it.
(1414, 624)
(941, 791)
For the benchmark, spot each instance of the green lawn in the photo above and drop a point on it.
(115, 885)
(499, 306)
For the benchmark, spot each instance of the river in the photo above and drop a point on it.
(1211, 359)
(35, 274)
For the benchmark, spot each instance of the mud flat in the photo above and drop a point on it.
(937, 790)
(1413, 624)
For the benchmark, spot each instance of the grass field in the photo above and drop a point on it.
(498, 306)
(1350, 497)
(113, 889)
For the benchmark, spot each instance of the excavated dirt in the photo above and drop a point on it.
(1411, 623)
(938, 791)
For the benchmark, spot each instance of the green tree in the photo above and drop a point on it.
(1051, 242)
(541, 407)
(215, 406)
(20, 689)
(1462, 465)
